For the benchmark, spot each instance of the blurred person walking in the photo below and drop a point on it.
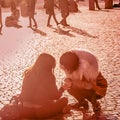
(64, 8)
(49, 6)
(31, 12)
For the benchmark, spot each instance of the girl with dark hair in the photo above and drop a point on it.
(40, 97)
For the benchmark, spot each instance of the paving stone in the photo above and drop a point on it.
(97, 31)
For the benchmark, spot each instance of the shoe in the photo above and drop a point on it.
(29, 26)
(66, 25)
(18, 26)
(35, 26)
(58, 23)
(62, 23)
(49, 25)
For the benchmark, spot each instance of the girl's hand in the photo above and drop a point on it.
(67, 84)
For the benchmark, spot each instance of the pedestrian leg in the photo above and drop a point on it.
(97, 5)
(35, 23)
(48, 22)
(55, 19)
(30, 22)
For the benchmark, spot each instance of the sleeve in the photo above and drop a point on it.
(54, 92)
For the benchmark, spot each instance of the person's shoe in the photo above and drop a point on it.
(29, 26)
(99, 8)
(62, 23)
(35, 26)
(18, 26)
(57, 23)
(49, 25)
(66, 25)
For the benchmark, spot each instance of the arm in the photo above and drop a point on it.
(53, 91)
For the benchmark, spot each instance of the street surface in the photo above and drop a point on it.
(96, 31)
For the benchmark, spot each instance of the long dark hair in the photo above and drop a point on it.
(43, 66)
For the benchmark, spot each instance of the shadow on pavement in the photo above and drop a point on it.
(105, 10)
(80, 32)
(62, 31)
(38, 31)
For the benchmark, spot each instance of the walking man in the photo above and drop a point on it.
(64, 8)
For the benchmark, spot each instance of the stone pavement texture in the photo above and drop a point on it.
(97, 31)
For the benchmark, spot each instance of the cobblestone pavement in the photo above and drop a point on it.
(97, 31)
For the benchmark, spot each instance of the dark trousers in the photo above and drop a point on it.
(46, 111)
(82, 95)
